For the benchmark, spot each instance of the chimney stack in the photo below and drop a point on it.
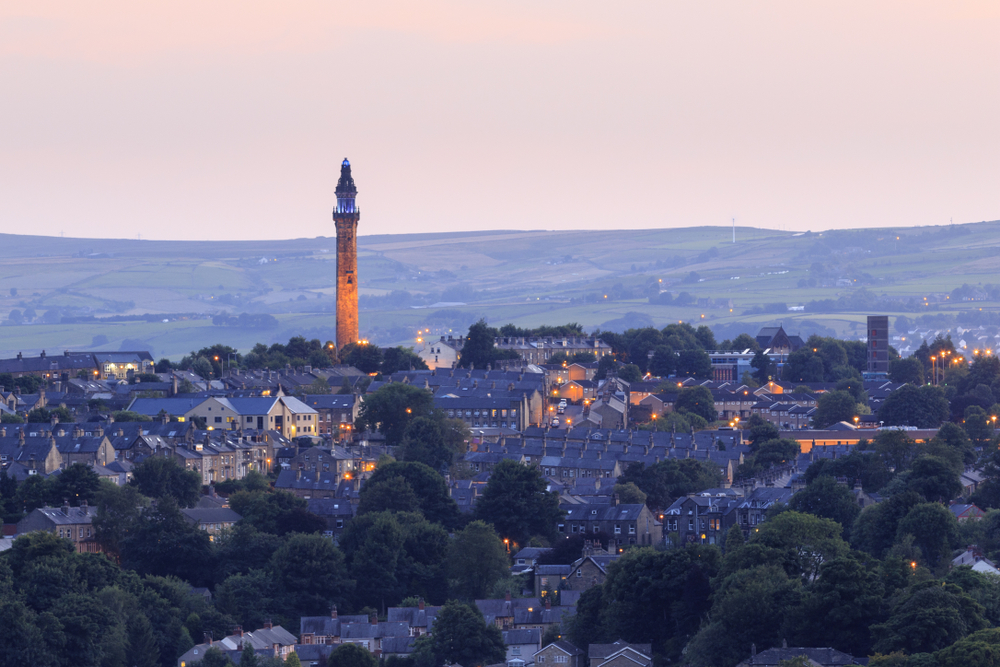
(333, 611)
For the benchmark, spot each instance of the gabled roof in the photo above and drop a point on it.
(564, 646)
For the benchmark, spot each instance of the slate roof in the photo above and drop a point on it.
(602, 651)
(175, 407)
(199, 515)
(415, 617)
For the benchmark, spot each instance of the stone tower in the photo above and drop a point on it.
(345, 217)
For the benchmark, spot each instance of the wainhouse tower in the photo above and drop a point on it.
(345, 217)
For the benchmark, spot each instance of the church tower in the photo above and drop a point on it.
(345, 217)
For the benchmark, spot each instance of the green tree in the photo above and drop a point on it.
(761, 431)
(161, 477)
(977, 425)
(833, 407)
(669, 479)
(461, 636)
(663, 362)
(248, 658)
(429, 486)
(352, 655)
(434, 441)
(934, 530)
(643, 593)
(934, 479)
(142, 649)
(875, 528)
(76, 484)
(839, 607)
(310, 576)
(928, 617)
(119, 510)
(630, 373)
(697, 400)
(895, 448)
(129, 416)
(401, 359)
(516, 501)
(43, 415)
(391, 408)
(923, 407)
(477, 559)
(293, 660)
(763, 367)
(248, 598)
(825, 498)
(163, 543)
(480, 349)
(749, 608)
(907, 370)
(799, 543)
(629, 493)
(365, 357)
(694, 363)
(393, 494)
(979, 649)
(279, 513)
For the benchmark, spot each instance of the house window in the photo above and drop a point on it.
(618, 529)
(631, 530)
(560, 658)
(540, 659)
(579, 573)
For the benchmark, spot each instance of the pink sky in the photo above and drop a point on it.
(226, 119)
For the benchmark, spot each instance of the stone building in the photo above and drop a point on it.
(345, 217)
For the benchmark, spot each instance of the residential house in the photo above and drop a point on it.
(823, 657)
(620, 654)
(72, 523)
(550, 578)
(625, 523)
(46, 366)
(501, 612)
(326, 629)
(419, 618)
(442, 353)
(39, 455)
(701, 518)
(973, 557)
(521, 645)
(271, 640)
(966, 512)
(123, 365)
(589, 570)
(561, 653)
(335, 413)
(211, 520)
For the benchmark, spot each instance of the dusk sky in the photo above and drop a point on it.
(228, 120)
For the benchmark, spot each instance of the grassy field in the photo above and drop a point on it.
(528, 278)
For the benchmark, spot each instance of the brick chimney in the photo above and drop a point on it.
(374, 619)
(207, 639)
(507, 596)
(548, 602)
(238, 631)
(333, 611)
(420, 604)
(267, 624)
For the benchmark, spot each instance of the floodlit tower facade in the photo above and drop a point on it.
(345, 217)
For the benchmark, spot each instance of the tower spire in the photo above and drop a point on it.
(345, 217)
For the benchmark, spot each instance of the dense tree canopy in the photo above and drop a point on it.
(516, 501)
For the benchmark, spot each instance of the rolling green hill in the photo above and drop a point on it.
(69, 288)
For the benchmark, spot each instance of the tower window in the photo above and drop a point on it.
(350, 280)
